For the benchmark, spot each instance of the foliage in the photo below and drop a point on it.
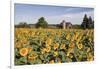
(76, 26)
(22, 25)
(42, 46)
(87, 22)
(41, 23)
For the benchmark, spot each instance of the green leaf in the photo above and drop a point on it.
(63, 55)
(63, 58)
(38, 61)
(23, 59)
(41, 57)
(68, 59)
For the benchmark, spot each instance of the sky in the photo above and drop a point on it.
(30, 13)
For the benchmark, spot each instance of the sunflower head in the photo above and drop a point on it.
(30, 49)
(90, 57)
(56, 46)
(43, 50)
(23, 51)
(32, 56)
(88, 49)
(48, 42)
(62, 46)
(56, 53)
(51, 62)
(72, 45)
(48, 49)
(80, 46)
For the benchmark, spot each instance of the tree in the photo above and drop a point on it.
(93, 24)
(41, 23)
(85, 22)
(76, 26)
(90, 23)
(90, 20)
(23, 25)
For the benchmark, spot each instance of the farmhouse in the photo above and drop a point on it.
(65, 24)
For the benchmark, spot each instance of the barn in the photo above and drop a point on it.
(66, 25)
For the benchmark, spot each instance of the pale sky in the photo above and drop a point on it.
(30, 13)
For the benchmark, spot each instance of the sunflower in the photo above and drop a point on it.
(23, 51)
(67, 36)
(67, 54)
(71, 45)
(51, 62)
(70, 50)
(55, 53)
(80, 46)
(59, 61)
(48, 42)
(30, 49)
(88, 49)
(56, 46)
(76, 35)
(62, 46)
(90, 57)
(43, 50)
(32, 56)
(48, 49)
(70, 55)
(17, 45)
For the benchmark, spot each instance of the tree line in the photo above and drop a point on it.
(87, 23)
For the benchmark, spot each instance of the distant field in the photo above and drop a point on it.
(42, 46)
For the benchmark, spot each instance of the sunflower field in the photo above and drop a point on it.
(44, 46)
